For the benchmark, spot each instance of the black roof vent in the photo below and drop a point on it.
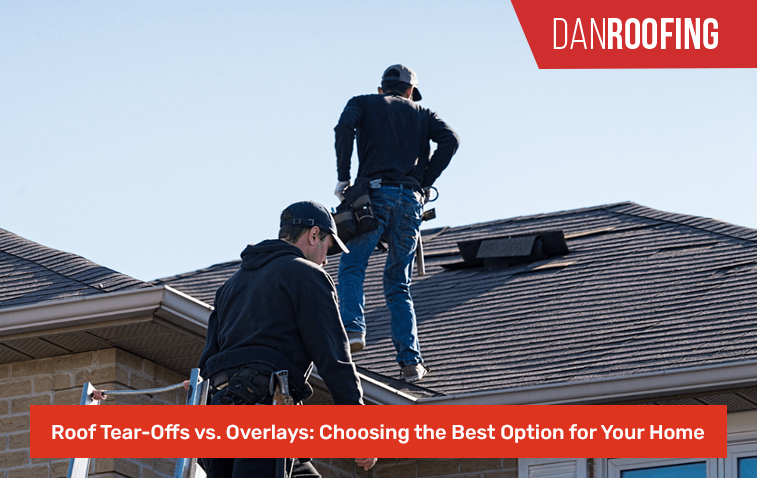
(513, 250)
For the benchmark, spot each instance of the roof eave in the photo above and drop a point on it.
(612, 390)
(375, 392)
(169, 304)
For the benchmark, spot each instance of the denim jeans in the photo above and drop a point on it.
(398, 211)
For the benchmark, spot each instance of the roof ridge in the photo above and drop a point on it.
(564, 212)
(50, 253)
(717, 226)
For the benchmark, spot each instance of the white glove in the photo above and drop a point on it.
(341, 186)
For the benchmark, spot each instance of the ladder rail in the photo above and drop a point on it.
(197, 395)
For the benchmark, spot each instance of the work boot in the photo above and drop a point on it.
(413, 373)
(357, 341)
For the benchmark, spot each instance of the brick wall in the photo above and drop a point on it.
(59, 381)
(414, 468)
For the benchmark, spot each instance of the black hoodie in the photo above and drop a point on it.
(281, 309)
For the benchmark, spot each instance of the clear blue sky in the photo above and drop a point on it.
(156, 138)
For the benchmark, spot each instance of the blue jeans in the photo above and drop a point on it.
(398, 211)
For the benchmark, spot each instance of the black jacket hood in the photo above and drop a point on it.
(258, 255)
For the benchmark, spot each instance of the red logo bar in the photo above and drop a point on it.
(639, 34)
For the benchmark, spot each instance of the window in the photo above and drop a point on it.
(747, 467)
(661, 468)
(688, 470)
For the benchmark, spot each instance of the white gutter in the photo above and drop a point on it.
(374, 392)
(169, 304)
(636, 387)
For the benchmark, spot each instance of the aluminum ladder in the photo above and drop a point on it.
(197, 395)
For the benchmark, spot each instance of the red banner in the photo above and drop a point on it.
(640, 33)
(486, 431)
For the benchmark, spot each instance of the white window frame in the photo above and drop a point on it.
(741, 446)
(744, 445)
(525, 463)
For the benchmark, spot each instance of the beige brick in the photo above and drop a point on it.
(32, 367)
(118, 465)
(160, 375)
(18, 423)
(5, 371)
(59, 469)
(15, 388)
(126, 400)
(33, 472)
(470, 465)
(67, 397)
(148, 368)
(129, 360)
(122, 374)
(66, 363)
(150, 473)
(438, 467)
(140, 382)
(3, 443)
(21, 405)
(397, 471)
(62, 381)
(4, 407)
(43, 384)
(106, 356)
(165, 466)
(20, 440)
(13, 459)
(175, 377)
(95, 376)
(40, 461)
(501, 474)
(103, 465)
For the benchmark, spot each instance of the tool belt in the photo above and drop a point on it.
(243, 386)
(354, 216)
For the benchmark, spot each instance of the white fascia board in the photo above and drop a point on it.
(184, 311)
(165, 302)
(635, 387)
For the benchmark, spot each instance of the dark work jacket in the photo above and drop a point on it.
(393, 135)
(281, 309)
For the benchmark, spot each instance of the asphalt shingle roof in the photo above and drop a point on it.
(31, 273)
(640, 291)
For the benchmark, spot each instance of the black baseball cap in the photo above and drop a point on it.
(405, 75)
(310, 214)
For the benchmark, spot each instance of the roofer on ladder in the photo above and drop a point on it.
(279, 312)
(395, 166)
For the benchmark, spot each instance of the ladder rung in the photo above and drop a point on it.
(147, 391)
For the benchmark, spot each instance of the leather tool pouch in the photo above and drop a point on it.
(247, 387)
(354, 216)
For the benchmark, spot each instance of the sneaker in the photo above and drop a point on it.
(413, 373)
(356, 340)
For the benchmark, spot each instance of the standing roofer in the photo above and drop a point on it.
(279, 312)
(395, 165)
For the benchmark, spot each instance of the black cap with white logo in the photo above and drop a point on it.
(310, 214)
